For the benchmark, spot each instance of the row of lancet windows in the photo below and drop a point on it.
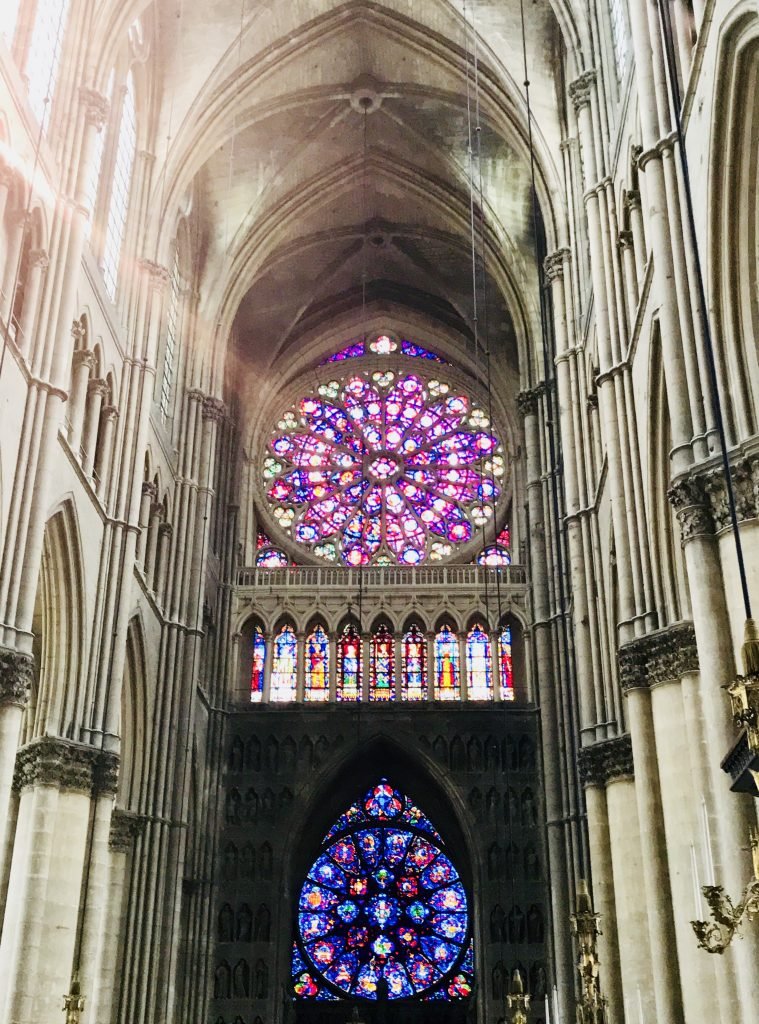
(413, 666)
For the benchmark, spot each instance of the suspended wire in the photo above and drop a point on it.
(713, 377)
(30, 193)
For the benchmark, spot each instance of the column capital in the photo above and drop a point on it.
(625, 240)
(125, 827)
(527, 400)
(39, 258)
(158, 274)
(149, 489)
(579, 90)
(606, 761)
(689, 500)
(98, 386)
(156, 508)
(632, 199)
(663, 656)
(553, 265)
(16, 676)
(165, 529)
(96, 107)
(213, 409)
(74, 767)
(110, 412)
(78, 332)
(592, 400)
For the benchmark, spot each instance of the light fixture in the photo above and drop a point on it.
(518, 1000)
(586, 927)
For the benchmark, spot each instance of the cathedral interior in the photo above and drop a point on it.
(379, 511)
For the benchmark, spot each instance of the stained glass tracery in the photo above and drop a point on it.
(382, 345)
(383, 909)
(414, 665)
(505, 666)
(478, 664)
(383, 468)
(349, 664)
(258, 665)
(284, 665)
(447, 677)
(382, 677)
(497, 553)
(317, 665)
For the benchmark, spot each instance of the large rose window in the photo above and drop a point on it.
(383, 913)
(383, 468)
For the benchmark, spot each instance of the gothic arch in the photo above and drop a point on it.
(734, 222)
(59, 703)
(133, 724)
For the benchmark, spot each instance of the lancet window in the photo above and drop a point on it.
(44, 55)
(258, 664)
(317, 665)
(414, 665)
(447, 676)
(382, 679)
(349, 664)
(479, 666)
(284, 663)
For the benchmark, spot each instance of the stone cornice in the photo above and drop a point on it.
(656, 658)
(16, 675)
(75, 767)
(125, 827)
(606, 761)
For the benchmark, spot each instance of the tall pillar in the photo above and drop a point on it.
(37, 265)
(147, 499)
(97, 389)
(104, 462)
(16, 676)
(701, 507)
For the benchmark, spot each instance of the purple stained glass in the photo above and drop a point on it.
(272, 558)
(382, 906)
(409, 348)
(390, 469)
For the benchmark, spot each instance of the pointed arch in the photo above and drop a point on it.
(133, 724)
(59, 702)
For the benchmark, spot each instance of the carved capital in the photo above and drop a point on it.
(105, 776)
(689, 499)
(553, 265)
(125, 827)
(98, 386)
(149, 490)
(96, 107)
(625, 240)
(51, 761)
(78, 333)
(592, 400)
(110, 412)
(213, 409)
(527, 401)
(39, 258)
(16, 675)
(659, 657)
(579, 90)
(158, 274)
(165, 529)
(632, 199)
(606, 761)
(156, 509)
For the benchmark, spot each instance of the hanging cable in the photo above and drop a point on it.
(751, 644)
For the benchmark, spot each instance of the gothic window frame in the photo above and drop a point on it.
(284, 645)
(309, 691)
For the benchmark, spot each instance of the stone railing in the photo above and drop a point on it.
(437, 577)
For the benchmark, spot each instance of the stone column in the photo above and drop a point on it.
(55, 778)
(96, 392)
(429, 638)
(38, 263)
(165, 532)
(17, 221)
(627, 247)
(633, 669)
(640, 254)
(602, 764)
(398, 665)
(300, 666)
(16, 676)
(124, 827)
(268, 640)
(105, 451)
(151, 553)
(147, 499)
(701, 506)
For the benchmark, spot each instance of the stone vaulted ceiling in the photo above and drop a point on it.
(326, 143)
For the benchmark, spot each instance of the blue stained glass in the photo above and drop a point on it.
(370, 844)
(326, 871)
(449, 926)
(283, 666)
(324, 993)
(478, 664)
(402, 919)
(438, 873)
(409, 348)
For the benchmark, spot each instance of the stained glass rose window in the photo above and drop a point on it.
(383, 912)
(383, 468)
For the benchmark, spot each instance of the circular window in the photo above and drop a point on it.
(383, 911)
(383, 468)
